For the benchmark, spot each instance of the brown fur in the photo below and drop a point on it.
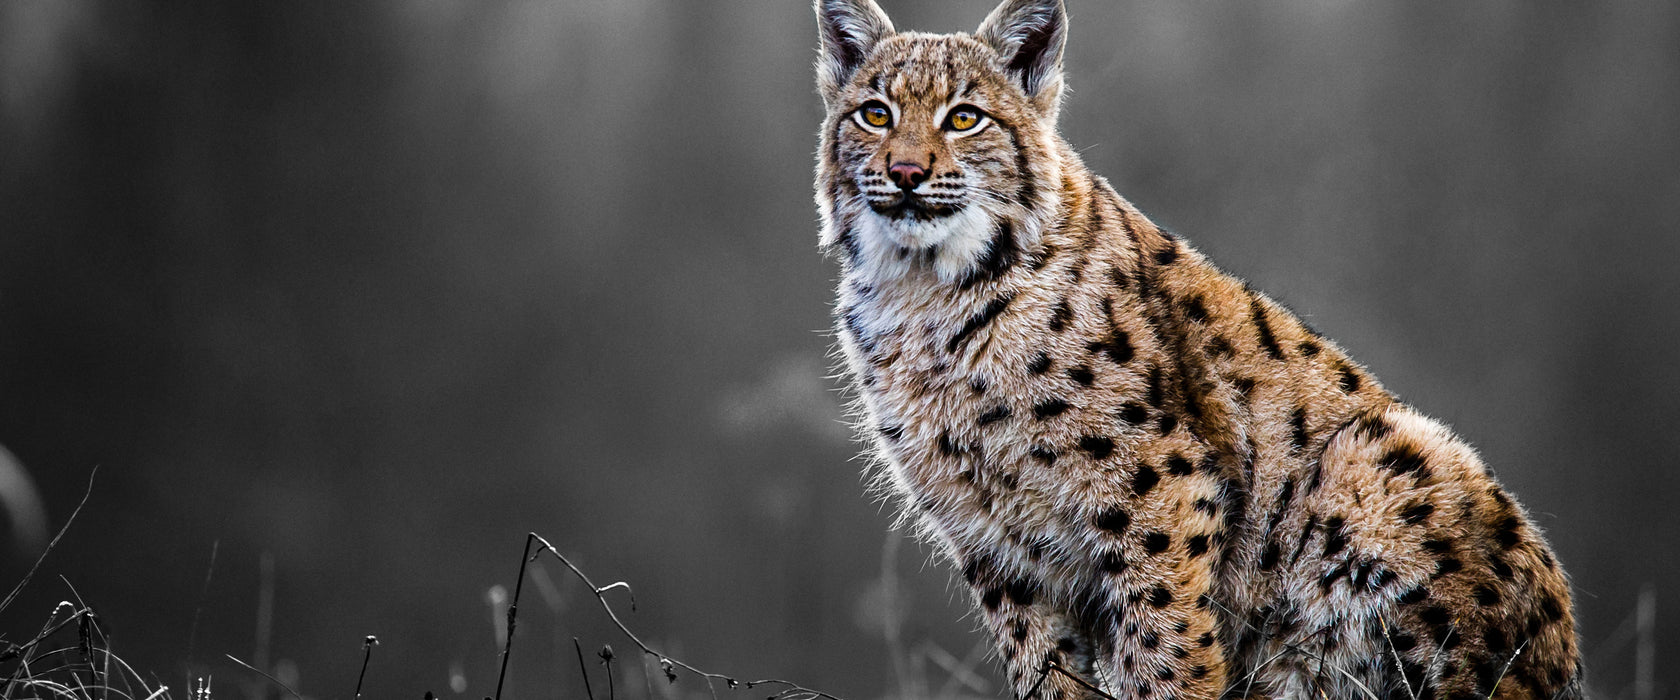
(1157, 481)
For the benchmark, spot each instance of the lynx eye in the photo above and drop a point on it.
(963, 119)
(874, 113)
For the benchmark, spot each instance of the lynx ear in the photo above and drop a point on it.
(1028, 36)
(849, 30)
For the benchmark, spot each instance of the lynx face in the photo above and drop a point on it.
(935, 143)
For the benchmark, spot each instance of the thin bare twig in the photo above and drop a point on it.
(788, 688)
(584, 668)
(367, 653)
(1082, 682)
(513, 615)
(1508, 663)
(1399, 665)
(264, 674)
(1033, 691)
(53, 543)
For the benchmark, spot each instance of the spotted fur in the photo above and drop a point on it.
(1157, 481)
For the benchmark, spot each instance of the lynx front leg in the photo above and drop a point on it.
(1048, 654)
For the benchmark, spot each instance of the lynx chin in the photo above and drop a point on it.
(1158, 482)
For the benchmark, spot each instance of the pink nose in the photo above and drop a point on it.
(907, 175)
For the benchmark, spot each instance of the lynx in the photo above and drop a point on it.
(1158, 482)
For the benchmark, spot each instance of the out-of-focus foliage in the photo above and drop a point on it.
(379, 287)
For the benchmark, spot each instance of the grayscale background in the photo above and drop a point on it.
(370, 290)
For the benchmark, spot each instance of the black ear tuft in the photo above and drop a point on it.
(1028, 36)
(849, 30)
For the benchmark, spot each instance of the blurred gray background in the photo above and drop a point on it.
(373, 289)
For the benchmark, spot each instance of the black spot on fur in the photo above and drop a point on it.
(1298, 428)
(848, 241)
(1040, 363)
(1285, 494)
(1505, 532)
(1210, 463)
(1043, 454)
(1166, 424)
(1117, 346)
(978, 385)
(1022, 591)
(1156, 542)
(1384, 578)
(1448, 565)
(1485, 595)
(1371, 427)
(1415, 595)
(1269, 557)
(1401, 459)
(1177, 465)
(1150, 639)
(892, 432)
(1099, 446)
(997, 413)
(1195, 310)
(1157, 387)
(1361, 576)
(1144, 480)
(1417, 513)
(1114, 519)
(854, 325)
(1002, 252)
(1329, 579)
(1160, 597)
(1052, 407)
(1437, 546)
(1133, 413)
(947, 446)
(1306, 534)
(1082, 375)
(1112, 563)
(979, 320)
(1197, 545)
(1500, 569)
(1206, 640)
(1435, 615)
(1349, 379)
(1206, 506)
(1264, 328)
(1118, 277)
(992, 598)
(1167, 255)
(1060, 316)
(1308, 348)
(1551, 608)
(1220, 346)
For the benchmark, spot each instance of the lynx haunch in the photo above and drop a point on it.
(1158, 482)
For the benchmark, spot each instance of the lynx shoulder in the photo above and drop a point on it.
(1157, 482)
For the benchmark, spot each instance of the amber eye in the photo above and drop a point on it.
(875, 114)
(963, 119)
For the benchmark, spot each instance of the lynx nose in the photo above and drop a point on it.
(907, 175)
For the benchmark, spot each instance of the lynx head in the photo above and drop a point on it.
(938, 151)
